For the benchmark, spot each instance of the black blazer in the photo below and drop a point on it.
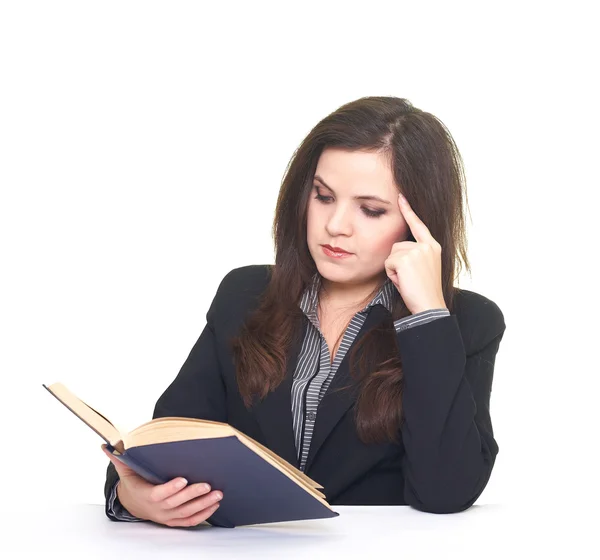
(447, 448)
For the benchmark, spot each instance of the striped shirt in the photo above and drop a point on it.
(314, 370)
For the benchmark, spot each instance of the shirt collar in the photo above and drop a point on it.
(310, 297)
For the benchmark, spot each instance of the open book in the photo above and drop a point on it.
(258, 486)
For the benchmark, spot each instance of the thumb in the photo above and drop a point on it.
(122, 469)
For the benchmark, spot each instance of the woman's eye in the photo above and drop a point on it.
(367, 211)
(373, 213)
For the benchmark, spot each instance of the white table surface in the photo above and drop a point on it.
(482, 532)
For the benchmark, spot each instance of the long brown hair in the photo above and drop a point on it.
(426, 162)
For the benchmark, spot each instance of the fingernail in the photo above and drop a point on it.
(218, 496)
(181, 483)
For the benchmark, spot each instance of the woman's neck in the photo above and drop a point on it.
(338, 296)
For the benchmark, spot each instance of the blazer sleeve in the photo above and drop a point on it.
(115, 510)
(198, 391)
(450, 448)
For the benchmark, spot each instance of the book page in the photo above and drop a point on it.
(173, 428)
(101, 425)
(293, 472)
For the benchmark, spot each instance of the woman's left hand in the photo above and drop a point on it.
(415, 268)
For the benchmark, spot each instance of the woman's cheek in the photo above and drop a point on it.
(383, 244)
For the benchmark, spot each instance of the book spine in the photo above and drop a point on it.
(137, 466)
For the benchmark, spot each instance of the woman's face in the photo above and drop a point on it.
(367, 228)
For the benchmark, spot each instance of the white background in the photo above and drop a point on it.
(142, 146)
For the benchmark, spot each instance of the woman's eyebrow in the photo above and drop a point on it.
(362, 197)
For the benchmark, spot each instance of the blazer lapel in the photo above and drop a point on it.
(274, 412)
(336, 402)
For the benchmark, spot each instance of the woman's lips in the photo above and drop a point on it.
(335, 255)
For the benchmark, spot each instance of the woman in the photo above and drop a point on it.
(353, 357)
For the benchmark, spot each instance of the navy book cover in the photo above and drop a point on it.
(254, 491)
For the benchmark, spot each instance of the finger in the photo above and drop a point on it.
(162, 491)
(194, 519)
(419, 230)
(182, 496)
(121, 468)
(390, 270)
(194, 506)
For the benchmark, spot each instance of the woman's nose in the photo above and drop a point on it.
(340, 221)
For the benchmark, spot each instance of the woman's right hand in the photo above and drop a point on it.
(173, 503)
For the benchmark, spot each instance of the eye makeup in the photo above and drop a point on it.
(367, 211)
